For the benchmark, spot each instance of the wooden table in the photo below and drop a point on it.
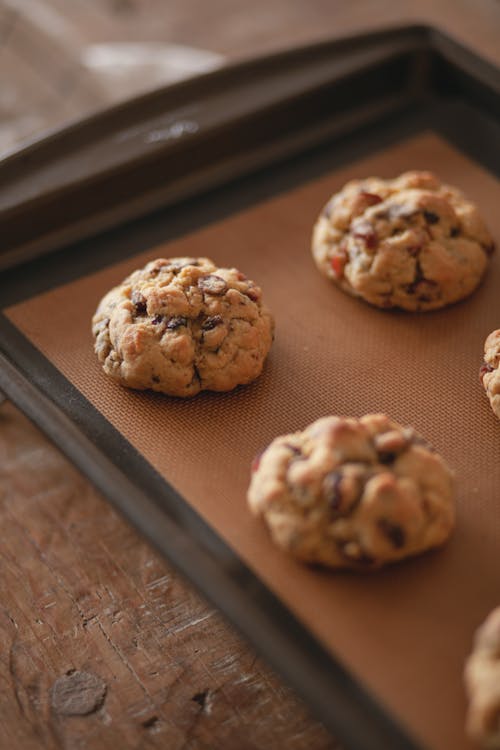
(101, 643)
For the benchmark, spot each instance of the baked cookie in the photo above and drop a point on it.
(353, 493)
(181, 326)
(482, 682)
(411, 242)
(490, 370)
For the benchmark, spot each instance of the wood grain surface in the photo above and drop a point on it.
(80, 592)
(102, 645)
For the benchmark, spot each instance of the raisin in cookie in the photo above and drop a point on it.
(490, 370)
(181, 326)
(412, 242)
(353, 493)
(482, 681)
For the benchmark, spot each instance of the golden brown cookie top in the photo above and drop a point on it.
(182, 325)
(353, 493)
(411, 242)
(482, 681)
(490, 370)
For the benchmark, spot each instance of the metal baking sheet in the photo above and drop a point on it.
(378, 657)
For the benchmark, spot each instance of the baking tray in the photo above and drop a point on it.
(236, 164)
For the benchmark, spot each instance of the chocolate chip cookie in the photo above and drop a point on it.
(482, 681)
(413, 242)
(353, 493)
(490, 370)
(183, 325)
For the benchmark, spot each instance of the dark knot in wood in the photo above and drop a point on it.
(77, 693)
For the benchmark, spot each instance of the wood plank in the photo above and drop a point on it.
(81, 591)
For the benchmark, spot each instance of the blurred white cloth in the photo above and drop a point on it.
(54, 69)
(128, 68)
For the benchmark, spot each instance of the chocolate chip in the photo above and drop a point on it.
(212, 322)
(157, 320)
(393, 532)
(139, 302)
(489, 249)
(212, 284)
(386, 457)
(155, 379)
(331, 490)
(363, 230)
(454, 231)
(431, 217)
(177, 322)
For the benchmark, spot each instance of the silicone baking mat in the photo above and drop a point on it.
(405, 631)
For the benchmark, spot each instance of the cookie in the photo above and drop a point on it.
(411, 243)
(181, 326)
(490, 370)
(353, 493)
(482, 682)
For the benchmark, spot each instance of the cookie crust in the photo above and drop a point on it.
(183, 325)
(353, 493)
(490, 370)
(412, 242)
(482, 682)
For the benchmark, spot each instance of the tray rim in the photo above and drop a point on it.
(433, 35)
(164, 94)
(107, 476)
(125, 158)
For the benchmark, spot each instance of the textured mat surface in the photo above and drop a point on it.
(405, 631)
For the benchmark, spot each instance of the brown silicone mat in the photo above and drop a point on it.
(404, 631)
